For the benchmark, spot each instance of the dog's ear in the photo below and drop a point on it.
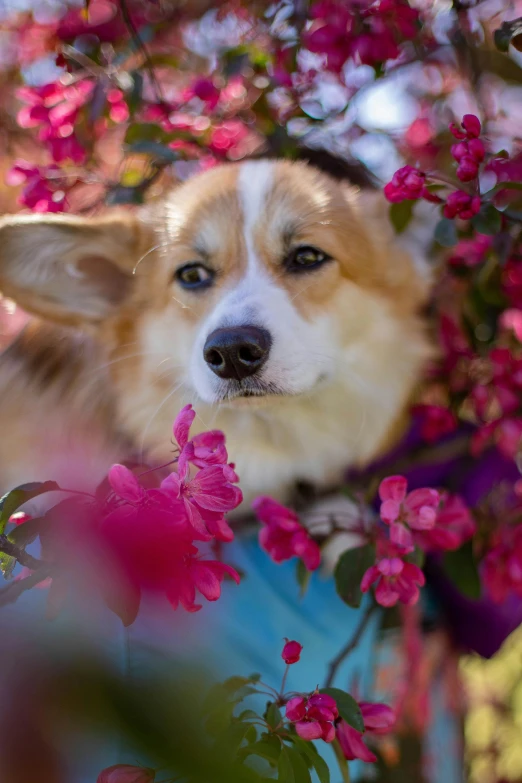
(70, 269)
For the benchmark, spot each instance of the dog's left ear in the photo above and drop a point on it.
(70, 269)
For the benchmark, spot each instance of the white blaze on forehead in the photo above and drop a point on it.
(254, 184)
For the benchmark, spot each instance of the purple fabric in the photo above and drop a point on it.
(479, 626)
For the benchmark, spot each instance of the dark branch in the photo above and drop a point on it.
(140, 46)
(23, 557)
(350, 647)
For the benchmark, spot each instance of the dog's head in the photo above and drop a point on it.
(251, 286)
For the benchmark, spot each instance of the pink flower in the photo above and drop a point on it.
(44, 189)
(126, 773)
(291, 652)
(454, 526)
(436, 421)
(404, 512)
(313, 717)
(470, 129)
(202, 575)
(396, 579)
(125, 484)
(283, 536)
(182, 425)
(406, 183)
(378, 719)
(462, 205)
(470, 252)
(502, 566)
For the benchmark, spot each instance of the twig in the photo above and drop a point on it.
(341, 760)
(14, 589)
(135, 35)
(23, 557)
(352, 644)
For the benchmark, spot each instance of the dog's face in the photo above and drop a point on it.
(262, 286)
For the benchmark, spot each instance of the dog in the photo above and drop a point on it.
(273, 298)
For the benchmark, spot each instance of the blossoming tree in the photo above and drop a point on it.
(107, 102)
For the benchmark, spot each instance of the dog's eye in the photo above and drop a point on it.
(194, 276)
(301, 259)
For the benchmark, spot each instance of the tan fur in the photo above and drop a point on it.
(114, 373)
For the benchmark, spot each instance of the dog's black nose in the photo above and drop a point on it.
(237, 352)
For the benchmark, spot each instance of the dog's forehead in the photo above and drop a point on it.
(247, 196)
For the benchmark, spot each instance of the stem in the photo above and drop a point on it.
(152, 470)
(283, 683)
(140, 46)
(350, 646)
(23, 557)
(14, 589)
(343, 764)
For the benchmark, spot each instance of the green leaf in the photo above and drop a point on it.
(228, 742)
(273, 715)
(299, 766)
(234, 684)
(446, 233)
(27, 532)
(303, 576)
(144, 131)
(255, 677)
(285, 770)
(349, 572)
(7, 564)
(488, 220)
(12, 501)
(461, 567)
(348, 708)
(155, 149)
(315, 760)
(266, 750)
(417, 557)
(401, 214)
(135, 97)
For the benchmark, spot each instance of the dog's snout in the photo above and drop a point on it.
(235, 353)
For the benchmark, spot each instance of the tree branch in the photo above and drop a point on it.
(23, 557)
(350, 646)
(140, 46)
(14, 589)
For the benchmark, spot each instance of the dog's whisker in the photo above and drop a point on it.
(158, 409)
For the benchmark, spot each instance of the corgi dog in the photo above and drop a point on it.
(270, 296)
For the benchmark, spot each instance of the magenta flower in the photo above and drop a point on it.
(291, 652)
(283, 536)
(502, 566)
(404, 512)
(462, 205)
(126, 773)
(125, 484)
(470, 128)
(378, 719)
(454, 526)
(406, 183)
(313, 717)
(397, 580)
(436, 421)
(204, 576)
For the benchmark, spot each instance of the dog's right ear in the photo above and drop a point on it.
(70, 269)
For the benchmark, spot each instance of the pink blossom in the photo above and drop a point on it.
(436, 421)
(313, 717)
(454, 526)
(291, 652)
(202, 575)
(470, 129)
(470, 252)
(406, 183)
(43, 189)
(182, 425)
(404, 512)
(462, 205)
(125, 484)
(283, 536)
(502, 566)
(511, 320)
(512, 280)
(126, 773)
(397, 580)
(378, 719)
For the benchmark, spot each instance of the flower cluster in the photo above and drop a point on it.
(370, 32)
(313, 716)
(283, 536)
(469, 152)
(378, 719)
(406, 512)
